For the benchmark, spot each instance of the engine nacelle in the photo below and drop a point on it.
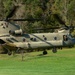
(16, 32)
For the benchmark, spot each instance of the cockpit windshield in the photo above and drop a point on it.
(70, 36)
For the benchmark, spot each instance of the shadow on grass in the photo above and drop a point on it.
(35, 57)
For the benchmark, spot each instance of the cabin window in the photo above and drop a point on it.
(33, 39)
(55, 38)
(65, 38)
(44, 37)
(24, 39)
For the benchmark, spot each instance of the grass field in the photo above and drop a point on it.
(60, 63)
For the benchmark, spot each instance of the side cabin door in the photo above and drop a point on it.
(66, 40)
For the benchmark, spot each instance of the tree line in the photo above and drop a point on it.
(53, 12)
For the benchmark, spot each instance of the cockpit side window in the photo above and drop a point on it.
(65, 38)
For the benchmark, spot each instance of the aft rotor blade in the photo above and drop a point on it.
(23, 19)
(13, 10)
(46, 28)
(59, 19)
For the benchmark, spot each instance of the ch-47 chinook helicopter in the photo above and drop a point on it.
(12, 38)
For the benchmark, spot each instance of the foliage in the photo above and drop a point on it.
(43, 9)
(8, 6)
(71, 10)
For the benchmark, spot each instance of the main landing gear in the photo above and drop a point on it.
(45, 52)
(9, 53)
(54, 50)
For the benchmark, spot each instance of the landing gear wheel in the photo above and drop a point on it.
(54, 50)
(9, 53)
(44, 52)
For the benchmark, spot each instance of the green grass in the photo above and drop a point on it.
(60, 63)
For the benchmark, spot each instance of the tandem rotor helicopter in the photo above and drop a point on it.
(12, 38)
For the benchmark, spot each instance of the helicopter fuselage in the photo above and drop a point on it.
(12, 38)
(38, 40)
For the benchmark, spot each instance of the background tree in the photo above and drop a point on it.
(48, 10)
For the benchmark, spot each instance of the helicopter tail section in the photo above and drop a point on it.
(2, 41)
